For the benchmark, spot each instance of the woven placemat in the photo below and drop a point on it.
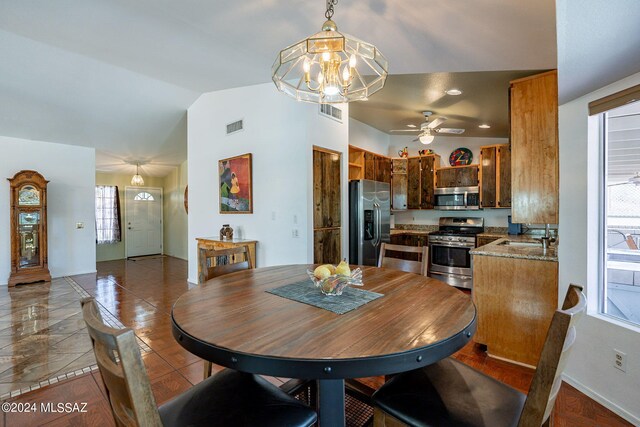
(307, 293)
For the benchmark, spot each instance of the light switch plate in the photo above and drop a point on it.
(79, 224)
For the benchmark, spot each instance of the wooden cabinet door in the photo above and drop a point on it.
(399, 184)
(326, 246)
(446, 177)
(427, 183)
(413, 185)
(326, 207)
(467, 177)
(383, 169)
(369, 166)
(488, 164)
(534, 149)
(504, 176)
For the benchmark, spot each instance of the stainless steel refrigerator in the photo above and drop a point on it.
(369, 220)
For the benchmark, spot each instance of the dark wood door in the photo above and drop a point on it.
(326, 246)
(369, 166)
(467, 177)
(488, 165)
(446, 177)
(413, 183)
(327, 210)
(504, 159)
(383, 169)
(427, 182)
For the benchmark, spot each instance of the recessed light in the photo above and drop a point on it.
(484, 126)
(411, 126)
(453, 92)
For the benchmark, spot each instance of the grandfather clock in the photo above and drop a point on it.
(29, 262)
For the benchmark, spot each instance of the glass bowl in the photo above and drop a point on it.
(335, 284)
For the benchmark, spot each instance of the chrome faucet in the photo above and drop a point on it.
(547, 239)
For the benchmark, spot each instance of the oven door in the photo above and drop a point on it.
(450, 258)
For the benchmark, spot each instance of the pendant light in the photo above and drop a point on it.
(330, 67)
(137, 178)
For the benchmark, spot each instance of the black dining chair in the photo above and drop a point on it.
(450, 393)
(229, 398)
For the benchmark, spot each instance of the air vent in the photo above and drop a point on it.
(332, 112)
(234, 127)
(454, 131)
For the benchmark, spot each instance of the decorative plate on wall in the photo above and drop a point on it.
(461, 157)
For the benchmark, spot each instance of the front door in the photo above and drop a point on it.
(143, 216)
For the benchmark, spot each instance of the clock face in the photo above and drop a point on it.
(460, 157)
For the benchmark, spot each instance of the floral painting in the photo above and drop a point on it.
(235, 184)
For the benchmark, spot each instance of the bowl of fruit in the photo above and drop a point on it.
(333, 279)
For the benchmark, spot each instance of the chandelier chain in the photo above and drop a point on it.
(329, 13)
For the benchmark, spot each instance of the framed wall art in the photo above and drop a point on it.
(236, 184)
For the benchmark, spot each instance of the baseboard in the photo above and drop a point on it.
(5, 283)
(602, 400)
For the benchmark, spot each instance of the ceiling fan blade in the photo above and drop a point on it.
(404, 130)
(436, 122)
(416, 140)
(452, 131)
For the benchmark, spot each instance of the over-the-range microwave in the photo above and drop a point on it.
(457, 198)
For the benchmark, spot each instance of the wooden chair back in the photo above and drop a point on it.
(217, 262)
(555, 353)
(122, 371)
(418, 267)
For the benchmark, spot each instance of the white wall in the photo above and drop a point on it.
(443, 146)
(591, 368)
(71, 199)
(279, 133)
(368, 138)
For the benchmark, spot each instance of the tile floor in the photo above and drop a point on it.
(139, 294)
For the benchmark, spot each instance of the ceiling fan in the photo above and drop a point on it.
(429, 129)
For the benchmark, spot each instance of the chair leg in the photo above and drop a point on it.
(207, 369)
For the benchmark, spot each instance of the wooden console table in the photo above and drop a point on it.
(217, 243)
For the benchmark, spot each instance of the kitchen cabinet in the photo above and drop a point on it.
(515, 299)
(534, 149)
(399, 182)
(413, 182)
(408, 239)
(413, 186)
(495, 176)
(367, 165)
(427, 181)
(327, 211)
(457, 176)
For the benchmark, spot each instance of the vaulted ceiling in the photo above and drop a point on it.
(118, 75)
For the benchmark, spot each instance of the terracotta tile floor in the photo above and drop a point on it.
(140, 295)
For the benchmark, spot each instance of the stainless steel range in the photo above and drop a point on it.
(449, 258)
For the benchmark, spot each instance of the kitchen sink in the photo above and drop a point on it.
(520, 244)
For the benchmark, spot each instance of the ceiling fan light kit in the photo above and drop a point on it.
(330, 67)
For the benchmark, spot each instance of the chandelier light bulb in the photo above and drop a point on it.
(353, 61)
(320, 77)
(326, 56)
(306, 66)
(346, 76)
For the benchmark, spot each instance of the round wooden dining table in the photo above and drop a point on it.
(233, 321)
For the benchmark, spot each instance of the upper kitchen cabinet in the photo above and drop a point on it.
(495, 176)
(413, 182)
(534, 149)
(457, 176)
(367, 165)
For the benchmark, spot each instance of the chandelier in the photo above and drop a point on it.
(137, 178)
(330, 67)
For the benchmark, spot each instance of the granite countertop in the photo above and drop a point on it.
(521, 252)
(395, 231)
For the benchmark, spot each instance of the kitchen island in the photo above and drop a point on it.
(515, 289)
